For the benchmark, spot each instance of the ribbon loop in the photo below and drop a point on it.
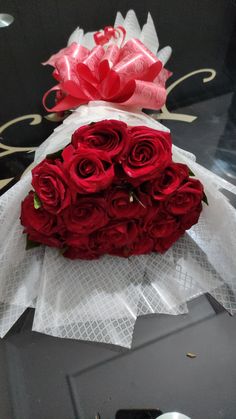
(103, 37)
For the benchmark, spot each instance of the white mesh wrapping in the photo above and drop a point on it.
(100, 300)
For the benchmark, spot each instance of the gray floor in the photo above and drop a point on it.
(52, 378)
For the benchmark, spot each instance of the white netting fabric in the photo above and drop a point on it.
(100, 300)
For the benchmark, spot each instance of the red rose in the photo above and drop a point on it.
(149, 152)
(53, 241)
(40, 225)
(162, 225)
(143, 245)
(88, 170)
(80, 247)
(168, 181)
(121, 177)
(85, 215)
(123, 203)
(187, 197)
(76, 240)
(190, 218)
(109, 136)
(83, 252)
(115, 235)
(123, 252)
(50, 184)
(164, 243)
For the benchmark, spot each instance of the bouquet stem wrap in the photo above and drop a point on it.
(100, 300)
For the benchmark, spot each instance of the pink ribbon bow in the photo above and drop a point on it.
(130, 75)
(102, 37)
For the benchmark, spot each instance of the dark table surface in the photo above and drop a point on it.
(49, 378)
(42, 377)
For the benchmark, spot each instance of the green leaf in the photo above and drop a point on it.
(37, 202)
(205, 199)
(54, 156)
(191, 173)
(30, 244)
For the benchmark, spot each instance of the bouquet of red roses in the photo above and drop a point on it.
(109, 185)
(114, 189)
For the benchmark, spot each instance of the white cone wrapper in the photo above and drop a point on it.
(100, 300)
